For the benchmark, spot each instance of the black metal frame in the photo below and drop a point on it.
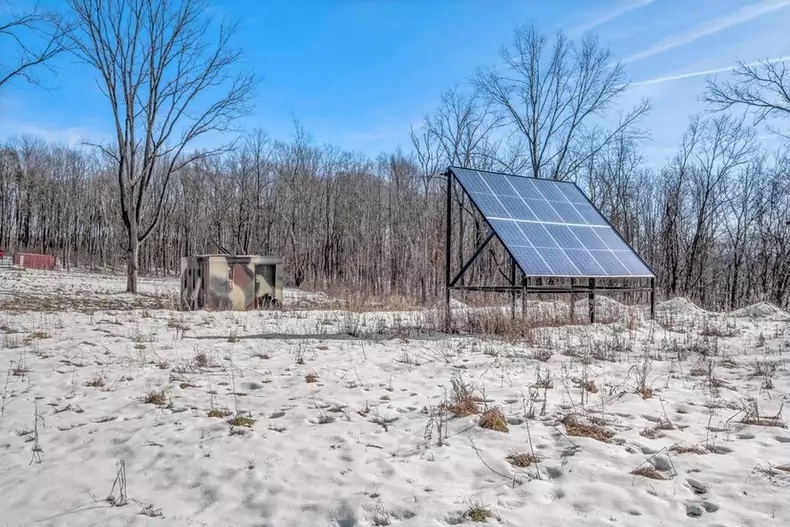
(591, 288)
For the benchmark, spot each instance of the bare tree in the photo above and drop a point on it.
(555, 96)
(31, 39)
(169, 78)
(762, 88)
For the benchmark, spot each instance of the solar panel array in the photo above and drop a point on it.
(550, 227)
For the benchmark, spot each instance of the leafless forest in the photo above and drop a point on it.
(713, 222)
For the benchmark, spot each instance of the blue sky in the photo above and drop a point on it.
(359, 73)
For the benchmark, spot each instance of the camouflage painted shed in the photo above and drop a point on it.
(225, 282)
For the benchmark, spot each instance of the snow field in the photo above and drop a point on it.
(352, 419)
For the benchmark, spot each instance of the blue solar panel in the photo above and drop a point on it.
(568, 213)
(538, 235)
(517, 209)
(489, 205)
(529, 258)
(543, 210)
(550, 227)
(587, 236)
(509, 233)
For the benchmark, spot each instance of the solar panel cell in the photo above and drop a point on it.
(499, 184)
(517, 209)
(559, 262)
(543, 210)
(529, 258)
(590, 214)
(538, 235)
(550, 191)
(565, 238)
(610, 263)
(611, 239)
(509, 233)
(632, 262)
(489, 205)
(587, 236)
(568, 213)
(584, 262)
(571, 192)
(471, 180)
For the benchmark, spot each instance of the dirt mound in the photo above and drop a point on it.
(679, 307)
(764, 310)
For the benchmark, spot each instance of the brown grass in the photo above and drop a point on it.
(645, 392)
(574, 426)
(96, 382)
(763, 421)
(648, 472)
(158, 398)
(218, 412)
(463, 401)
(311, 378)
(493, 419)
(688, 449)
(522, 460)
(242, 420)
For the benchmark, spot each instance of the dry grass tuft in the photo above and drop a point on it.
(463, 401)
(97, 382)
(645, 392)
(577, 426)
(478, 513)
(522, 460)
(311, 378)
(201, 359)
(493, 419)
(688, 449)
(648, 472)
(242, 420)
(158, 398)
(218, 412)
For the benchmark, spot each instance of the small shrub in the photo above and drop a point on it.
(311, 378)
(493, 419)
(201, 359)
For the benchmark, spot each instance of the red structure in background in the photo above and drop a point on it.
(34, 261)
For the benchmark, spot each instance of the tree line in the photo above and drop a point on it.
(713, 222)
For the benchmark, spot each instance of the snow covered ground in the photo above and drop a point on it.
(353, 419)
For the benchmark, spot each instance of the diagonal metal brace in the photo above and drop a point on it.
(472, 259)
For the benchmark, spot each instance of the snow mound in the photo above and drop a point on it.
(762, 310)
(679, 307)
(603, 304)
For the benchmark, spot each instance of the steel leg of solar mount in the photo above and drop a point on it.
(653, 298)
(448, 233)
(513, 293)
(591, 300)
(471, 260)
(572, 303)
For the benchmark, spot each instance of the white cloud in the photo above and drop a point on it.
(611, 15)
(69, 136)
(703, 73)
(737, 17)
